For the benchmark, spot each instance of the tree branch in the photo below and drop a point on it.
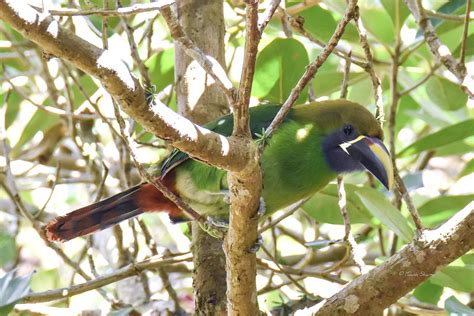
(439, 50)
(125, 272)
(312, 68)
(245, 189)
(227, 153)
(368, 295)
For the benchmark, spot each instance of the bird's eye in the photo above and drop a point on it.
(348, 130)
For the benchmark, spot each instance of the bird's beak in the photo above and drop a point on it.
(373, 155)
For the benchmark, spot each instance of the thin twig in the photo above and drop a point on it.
(209, 64)
(288, 212)
(439, 50)
(465, 32)
(311, 70)
(122, 273)
(341, 192)
(131, 10)
(11, 189)
(267, 15)
(395, 99)
(298, 24)
(149, 178)
(421, 82)
(134, 51)
(379, 113)
(288, 275)
(450, 17)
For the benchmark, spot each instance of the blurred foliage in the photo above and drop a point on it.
(58, 159)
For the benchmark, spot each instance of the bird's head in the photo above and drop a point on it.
(353, 139)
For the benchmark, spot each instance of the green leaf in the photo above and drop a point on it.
(13, 107)
(323, 206)
(439, 209)
(391, 7)
(442, 137)
(382, 209)
(428, 292)
(456, 149)
(12, 289)
(328, 79)
(468, 169)
(457, 277)
(7, 248)
(377, 21)
(45, 279)
(449, 7)
(319, 22)
(87, 85)
(161, 68)
(361, 92)
(469, 48)
(445, 94)
(279, 67)
(40, 121)
(455, 307)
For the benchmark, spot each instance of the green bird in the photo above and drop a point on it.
(314, 144)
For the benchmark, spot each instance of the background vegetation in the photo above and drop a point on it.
(62, 148)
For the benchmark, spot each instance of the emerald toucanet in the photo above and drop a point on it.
(316, 142)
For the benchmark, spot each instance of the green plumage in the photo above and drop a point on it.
(315, 142)
(293, 162)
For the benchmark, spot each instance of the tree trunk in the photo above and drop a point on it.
(199, 99)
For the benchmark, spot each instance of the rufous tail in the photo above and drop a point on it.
(111, 211)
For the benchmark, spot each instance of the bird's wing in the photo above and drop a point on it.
(260, 118)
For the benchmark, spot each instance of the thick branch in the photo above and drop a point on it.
(371, 293)
(230, 154)
(245, 188)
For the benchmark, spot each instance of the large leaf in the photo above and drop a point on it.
(428, 292)
(12, 289)
(446, 94)
(469, 48)
(458, 275)
(397, 10)
(361, 91)
(382, 209)
(377, 21)
(468, 168)
(13, 107)
(7, 248)
(323, 206)
(319, 22)
(279, 66)
(442, 137)
(40, 121)
(161, 68)
(88, 87)
(455, 307)
(439, 209)
(329, 77)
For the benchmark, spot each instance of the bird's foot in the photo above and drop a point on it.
(225, 195)
(262, 209)
(256, 247)
(262, 138)
(217, 227)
